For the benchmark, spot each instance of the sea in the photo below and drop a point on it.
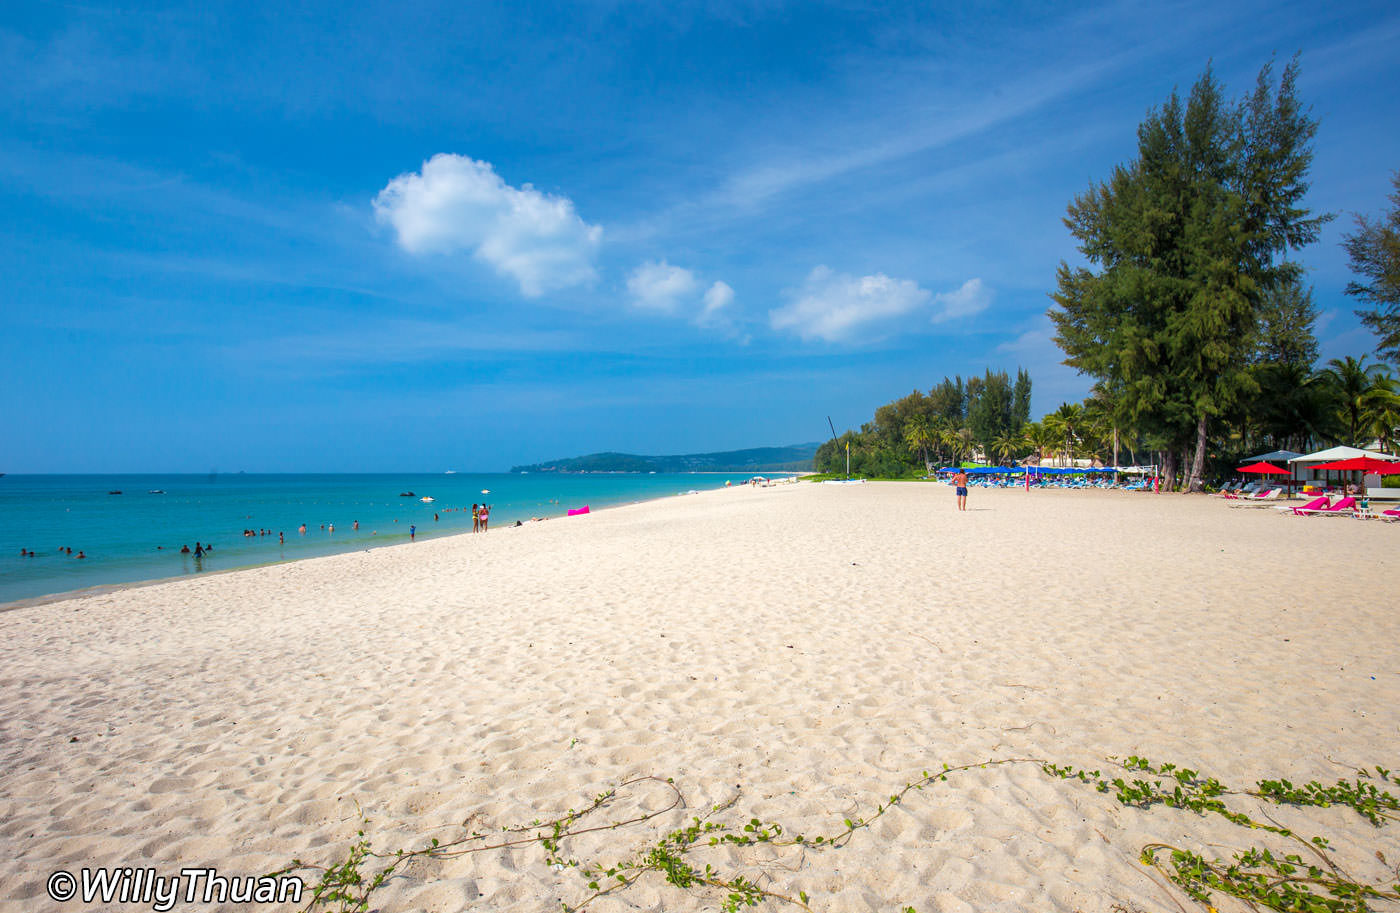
(132, 527)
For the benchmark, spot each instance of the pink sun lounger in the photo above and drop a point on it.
(1315, 504)
(1342, 507)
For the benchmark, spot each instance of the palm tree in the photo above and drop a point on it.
(1065, 420)
(1006, 447)
(1350, 378)
(959, 442)
(918, 432)
(1380, 410)
(1039, 438)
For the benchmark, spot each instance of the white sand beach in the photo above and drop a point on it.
(807, 649)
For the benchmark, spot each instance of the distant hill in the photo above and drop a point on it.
(794, 458)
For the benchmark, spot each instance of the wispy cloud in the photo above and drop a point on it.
(456, 203)
(716, 302)
(355, 345)
(968, 300)
(902, 133)
(1034, 349)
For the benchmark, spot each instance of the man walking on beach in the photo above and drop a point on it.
(960, 482)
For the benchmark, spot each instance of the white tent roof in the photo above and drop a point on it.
(1339, 453)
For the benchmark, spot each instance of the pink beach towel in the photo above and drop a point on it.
(574, 512)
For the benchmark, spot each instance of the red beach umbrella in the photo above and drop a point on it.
(1263, 468)
(1364, 464)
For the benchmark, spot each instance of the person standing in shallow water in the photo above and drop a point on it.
(960, 483)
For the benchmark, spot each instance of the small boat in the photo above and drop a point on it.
(405, 494)
(486, 491)
(155, 491)
(114, 492)
(426, 500)
(450, 472)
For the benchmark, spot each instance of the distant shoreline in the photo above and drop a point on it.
(101, 589)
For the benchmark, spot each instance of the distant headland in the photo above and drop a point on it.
(793, 458)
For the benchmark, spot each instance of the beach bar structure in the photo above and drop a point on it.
(1303, 471)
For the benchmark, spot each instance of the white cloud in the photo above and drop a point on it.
(970, 298)
(717, 297)
(660, 286)
(837, 307)
(459, 204)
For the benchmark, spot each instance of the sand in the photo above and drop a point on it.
(803, 650)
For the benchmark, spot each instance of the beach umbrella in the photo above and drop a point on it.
(1364, 464)
(1267, 469)
(1263, 468)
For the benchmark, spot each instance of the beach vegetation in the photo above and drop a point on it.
(1296, 872)
(955, 420)
(1185, 244)
(1374, 252)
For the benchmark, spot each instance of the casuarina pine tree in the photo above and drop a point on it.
(1185, 243)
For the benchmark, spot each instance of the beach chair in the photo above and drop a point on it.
(1321, 503)
(1269, 495)
(1245, 491)
(1341, 509)
(1389, 515)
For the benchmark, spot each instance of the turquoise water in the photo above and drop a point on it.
(137, 535)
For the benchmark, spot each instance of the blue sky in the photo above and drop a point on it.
(420, 237)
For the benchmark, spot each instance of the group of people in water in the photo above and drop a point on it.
(62, 550)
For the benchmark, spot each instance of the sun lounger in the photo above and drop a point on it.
(1321, 503)
(1341, 509)
(1270, 495)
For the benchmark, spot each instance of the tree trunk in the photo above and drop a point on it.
(1169, 469)
(1198, 462)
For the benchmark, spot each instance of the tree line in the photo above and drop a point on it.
(1190, 312)
(956, 419)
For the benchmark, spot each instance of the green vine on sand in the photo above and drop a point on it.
(1259, 877)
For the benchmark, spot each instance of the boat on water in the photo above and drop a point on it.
(405, 494)
(427, 500)
(117, 492)
(155, 491)
(449, 472)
